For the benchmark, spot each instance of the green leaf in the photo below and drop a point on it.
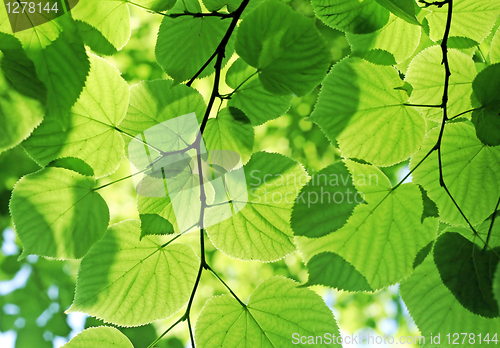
(276, 310)
(376, 56)
(430, 207)
(332, 270)
(192, 6)
(230, 130)
(61, 63)
(252, 98)
(154, 102)
(232, 5)
(495, 48)
(186, 196)
(471, 18)
(160, 207)
(58, 214)
(285, 47)
(19, 70)
(261, 229)
(157, 5)
(359, 108)
(74, 164)
(153, 224)
(122, 273)
(487, 119)
(92, 135)
(467, 165)
(352, 16)
(437, 312)
(397, 38)
(19, 114)
(404, 9)
(422, 254)
(460, 43)
(185, 43)
(325, 203)
(467, 271)
(95, 39)
(110, 18)
(381, 238)
(102, 336)
(426, 75)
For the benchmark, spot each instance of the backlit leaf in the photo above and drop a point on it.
(288, 50)
(397, 37)
(92, 135)
(121, 274)
(332, 270)
(276, 312)
(352, 16)
(261, 230)
(230, 130)
(467, 165)
(102, 336)
(185, 43)
(426, 75)
(258, 104)
(58, 214)
(381, 238)
(471, 18)
(110, 17)
(360, 108)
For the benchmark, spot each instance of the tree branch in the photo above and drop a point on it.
(219, 55)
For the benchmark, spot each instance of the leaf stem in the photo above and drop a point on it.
(207, 267)
(198, 15)
(121, 179)
(463, 113)
(423, 105)
(228, 96)
(183, 318)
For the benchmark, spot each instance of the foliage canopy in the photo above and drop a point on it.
(419, 89)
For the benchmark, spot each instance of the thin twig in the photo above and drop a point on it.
(219, 55)
(207, 267)
(228, 96)
(166, 331)
(463, 113)
(198, 15)
(445, 62)
(422, 105)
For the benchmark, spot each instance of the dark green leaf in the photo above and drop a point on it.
(325, 203)
(422, 254)
(487, 118)
(468, 271)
